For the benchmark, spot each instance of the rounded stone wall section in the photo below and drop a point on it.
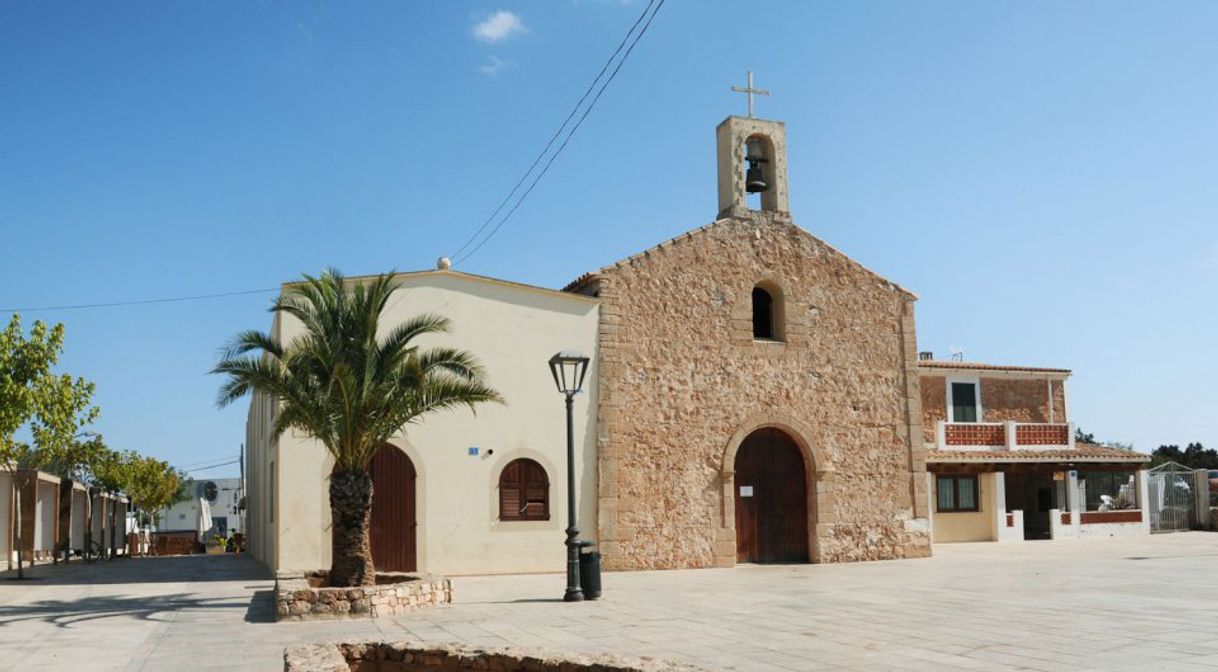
(303, 596)
(374, 656)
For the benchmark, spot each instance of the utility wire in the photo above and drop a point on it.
(140, 302)
(571, 133)
(206, 462)
(214, 466)
(657, 4)
(557, 133)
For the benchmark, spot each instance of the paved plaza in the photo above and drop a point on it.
(1107, 604)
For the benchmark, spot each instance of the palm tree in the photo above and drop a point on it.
(351, 390)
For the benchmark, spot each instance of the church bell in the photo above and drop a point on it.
(754, 178)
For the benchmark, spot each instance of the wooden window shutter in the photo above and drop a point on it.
(509, 502)
(524, 491)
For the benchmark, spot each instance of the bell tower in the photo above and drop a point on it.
(752, 156)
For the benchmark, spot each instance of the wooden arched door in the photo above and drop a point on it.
(394, 524)
(771, 499)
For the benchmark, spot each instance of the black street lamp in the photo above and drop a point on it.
(569, 369)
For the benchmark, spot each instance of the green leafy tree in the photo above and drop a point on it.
(1087, 437)
(151, 484)
(1195, 455)
(77, 463)
(350, 390)
(109, 471)
(1083, 437)
(54, 407)
(109, 475)
(65, 407)
(24, 362)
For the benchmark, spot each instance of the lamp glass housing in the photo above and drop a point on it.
(569, 369)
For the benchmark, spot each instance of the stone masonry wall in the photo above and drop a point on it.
(414, 656)
(1002, 399)
(1005, 399)
(934, 405)
(297, 600)
(683, 382)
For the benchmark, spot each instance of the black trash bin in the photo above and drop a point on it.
(589, 570)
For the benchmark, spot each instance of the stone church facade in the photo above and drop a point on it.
(684, 380)
(754, 395)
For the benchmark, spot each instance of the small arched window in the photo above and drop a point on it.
(769, 313)
(524, 491)
(763, 314)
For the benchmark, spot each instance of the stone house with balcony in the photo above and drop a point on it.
(1003, 465)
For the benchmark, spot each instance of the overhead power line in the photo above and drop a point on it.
(561, 128)
(195, 465)
(139, 302)
(214, 466)
(645, 18)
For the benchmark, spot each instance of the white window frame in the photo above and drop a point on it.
(975, 381)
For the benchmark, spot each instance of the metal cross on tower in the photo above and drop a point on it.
(750, 91)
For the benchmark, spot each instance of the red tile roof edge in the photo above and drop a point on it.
(1081, 453)
(939, 364)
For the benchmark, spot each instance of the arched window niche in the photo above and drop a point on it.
(760, 176)
(769, 317)
(524, 491)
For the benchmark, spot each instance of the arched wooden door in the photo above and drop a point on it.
(394, 523)
(771, 499)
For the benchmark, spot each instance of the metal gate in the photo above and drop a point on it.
(1173, 500)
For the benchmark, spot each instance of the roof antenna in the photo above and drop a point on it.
(957, 354)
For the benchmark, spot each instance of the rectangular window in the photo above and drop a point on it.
(964, 402)
(1107, 490)
(947, 494)
(956, 493)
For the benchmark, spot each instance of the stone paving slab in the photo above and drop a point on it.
(1102, 604)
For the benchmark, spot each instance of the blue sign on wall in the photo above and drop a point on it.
(473, 450)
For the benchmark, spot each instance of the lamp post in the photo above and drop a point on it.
(569, 369)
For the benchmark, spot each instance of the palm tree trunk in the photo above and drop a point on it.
(351, 515)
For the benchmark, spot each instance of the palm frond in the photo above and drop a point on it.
(250, 341)
(341, 383)
(456, 362)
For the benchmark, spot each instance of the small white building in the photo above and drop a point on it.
(109, 531)
(39, 515)
(458, 492)
(223, 497)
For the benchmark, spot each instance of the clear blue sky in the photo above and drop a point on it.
(1044, 175)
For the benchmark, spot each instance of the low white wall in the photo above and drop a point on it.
(76, 534)
(1098, 530)
(1014, 531)
(6, 519)
(47, 510)
(117, 538)
(101, 520)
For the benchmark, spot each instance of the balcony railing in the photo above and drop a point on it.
(1004, 435)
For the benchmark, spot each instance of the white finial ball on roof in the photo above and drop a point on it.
(444, 263)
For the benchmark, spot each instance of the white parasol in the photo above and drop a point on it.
(205, 521)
